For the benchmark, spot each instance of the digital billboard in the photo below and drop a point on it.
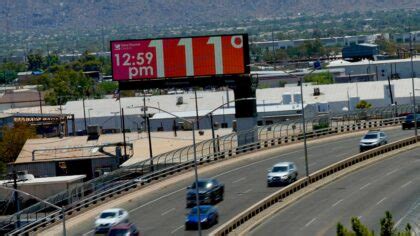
(146, 59)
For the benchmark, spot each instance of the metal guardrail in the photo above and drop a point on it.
(127, 178)
(278, 196)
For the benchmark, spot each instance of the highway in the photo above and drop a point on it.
(392, 184)
(163, 212)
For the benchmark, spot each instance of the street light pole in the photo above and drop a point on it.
(304, 127)
(196, 109)
(197, 196)
(84, 112)
(62, 209)
(212, 132)
(412, 84)
(301, 80)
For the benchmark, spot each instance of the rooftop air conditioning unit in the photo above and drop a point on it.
(179, 100)
(317, 92)
(93, 132)
(23, 176)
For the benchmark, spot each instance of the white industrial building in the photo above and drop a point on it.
(378, 70)
(330, 41)
(273, 104)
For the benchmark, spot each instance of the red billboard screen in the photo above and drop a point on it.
(179, 57)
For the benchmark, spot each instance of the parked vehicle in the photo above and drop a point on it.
(282, 173)
(210, 192)
(124, 229)
(374, 138)
(209, 216)
(409, 123)
(109, 218)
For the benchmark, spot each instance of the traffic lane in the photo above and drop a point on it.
(244, 187)
(367, 193)
(177, 191)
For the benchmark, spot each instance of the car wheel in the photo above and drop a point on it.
(216, 221)
(221, 197)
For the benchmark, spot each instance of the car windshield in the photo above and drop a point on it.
(371, 136)
(119, 232)
(107, 215)
(203, 210)
(202, 184)
(279, 169)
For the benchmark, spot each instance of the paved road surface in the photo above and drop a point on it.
(391, 185)
(163, 212)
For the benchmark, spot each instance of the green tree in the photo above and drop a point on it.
(51, 60)
(387, 228)
(387, 46)
(13, 139)
(360, 229)
(35, 61)
(387, 225)
(107, 87)
(363, 104)
(320, 78)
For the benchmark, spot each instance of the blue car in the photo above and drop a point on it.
(208, 217)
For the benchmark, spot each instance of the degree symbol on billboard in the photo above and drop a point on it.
(236, 41)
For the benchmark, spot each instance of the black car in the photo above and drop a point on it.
(409, 121)
(210, 192)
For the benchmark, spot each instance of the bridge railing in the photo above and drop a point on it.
(126, 178)
(278, 196)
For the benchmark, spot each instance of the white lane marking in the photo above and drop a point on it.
(247, 191)
(310, 222)
(166, 212)
(239, 180)
(335, 204)
(364, 186)
(406, 184)
(218, 175)
(178, 228)
(254, 163)
(88, 233)
(157, 199)
(392, 172)
(383, 199)
(312, 164)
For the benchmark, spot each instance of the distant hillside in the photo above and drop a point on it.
(91, 14)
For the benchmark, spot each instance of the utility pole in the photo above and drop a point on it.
(196, 108)
(272, 43)
(412, 81)
(124, 140)
(212, 133)
(150, 143)
(147, 126)
(16, 198)
(84, 111)
(40, 109)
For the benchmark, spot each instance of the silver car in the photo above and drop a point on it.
(282, 173)
(372, 139)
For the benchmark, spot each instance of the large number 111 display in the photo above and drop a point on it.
(179, 57)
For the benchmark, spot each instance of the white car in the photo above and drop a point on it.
(109, 218)
(282, 173)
